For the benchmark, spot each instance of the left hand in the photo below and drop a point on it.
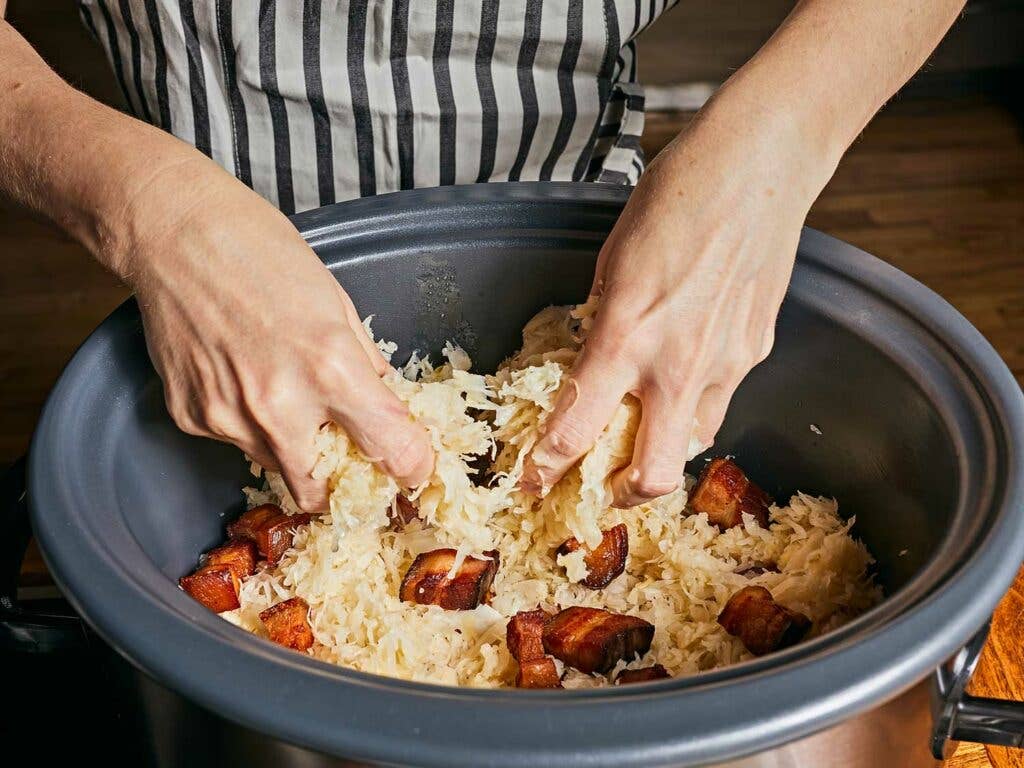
(690, 283)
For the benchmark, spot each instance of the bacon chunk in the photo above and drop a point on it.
(657, 672)
(524, 635)
(269, 527)
(538, 673)
(427, 583)
(402, 512)
(248, 524)
(763, 625)
(605, 562)
(593, 640)
(724, 493)
(238, 555)
(287, 624)
(215, 586)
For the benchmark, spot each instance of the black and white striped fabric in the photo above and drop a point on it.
(314, 101)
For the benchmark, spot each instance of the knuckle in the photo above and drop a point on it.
(409, 456)
(182, 416)
(306, 501)
(218, 417)
(566, 439)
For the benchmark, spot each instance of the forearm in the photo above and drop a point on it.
(824, 73)
(78, 162)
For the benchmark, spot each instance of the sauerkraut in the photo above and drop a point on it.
(349, 563)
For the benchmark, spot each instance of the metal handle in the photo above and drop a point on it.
(44, 630)
(959, 716)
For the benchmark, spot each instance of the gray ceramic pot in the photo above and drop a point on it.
(919, 430)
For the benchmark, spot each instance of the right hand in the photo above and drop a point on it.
(255, 341)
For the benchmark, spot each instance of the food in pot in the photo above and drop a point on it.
(524, 637)
(402, 512)
(760, 623)
(681, 563)
(725, 494)
(238, 555)
(287, 624)
(606, 561)
(538, 673)
(269, 527)
(595, 640)
(436, 578)
(215, 586)
(642, 675)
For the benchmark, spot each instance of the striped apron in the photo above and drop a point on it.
(312, 101)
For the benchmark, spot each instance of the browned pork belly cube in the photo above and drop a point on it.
(538, 673)
(657, 672)
(724, 493)
(427, 583)
(524, 634)
(215, 586)
(605, 562)
(593, 640)
(287, 624)
(760, 623)
(248, 524)
(238, 555)
(270, 528)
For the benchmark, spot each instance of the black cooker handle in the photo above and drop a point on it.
(49, 630)
(959, 716)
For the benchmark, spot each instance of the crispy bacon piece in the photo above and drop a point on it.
(607, 561)
(287, 624)
(402, 512)
(238, 555)
(724, 493)
(215, 586)
(524, 635)
(593, 640)
(269, 527)
(538, 673)
(427, 583)
(763, 625)
(657, 672)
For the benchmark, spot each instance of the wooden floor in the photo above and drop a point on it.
(936, 189)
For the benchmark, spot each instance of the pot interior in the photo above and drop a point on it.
(877, 393)
(832, 411)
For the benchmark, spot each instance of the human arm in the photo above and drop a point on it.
(254, 340)
(693, 274)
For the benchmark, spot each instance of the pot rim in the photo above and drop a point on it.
(687, 720)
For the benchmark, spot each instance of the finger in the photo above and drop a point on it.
(373, 353)
(711, 409)
(383, 428)
(296, 456)
(660, 451)
(597, 287)
(258, 450)
(584, 407)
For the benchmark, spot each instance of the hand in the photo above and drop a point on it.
(255, 341)
(690, 282)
